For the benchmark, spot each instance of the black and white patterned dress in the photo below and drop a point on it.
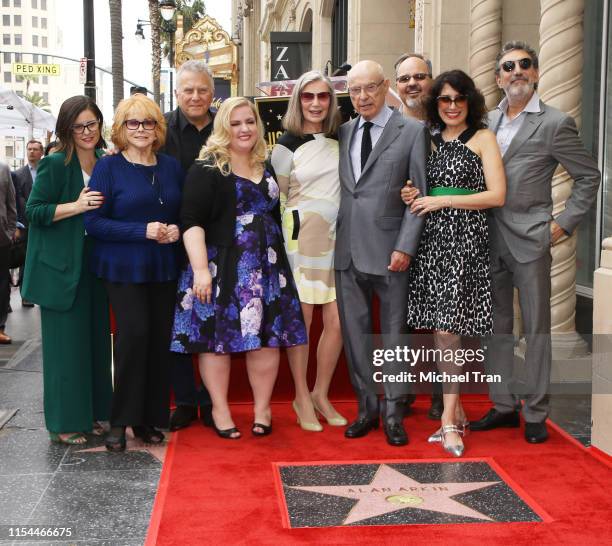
(450, 284)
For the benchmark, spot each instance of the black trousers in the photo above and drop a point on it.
(144, 314)
(5, 284)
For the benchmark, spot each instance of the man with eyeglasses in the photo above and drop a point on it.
(413, 79)
(375, 239)
(534, 138)
(189, 127)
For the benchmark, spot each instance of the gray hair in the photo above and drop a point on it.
(198, 67)
(516, 45)
(293, 120)
(415, 56)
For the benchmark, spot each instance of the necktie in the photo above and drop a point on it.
(366, 143)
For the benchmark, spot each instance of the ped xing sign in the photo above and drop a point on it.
(29, 69)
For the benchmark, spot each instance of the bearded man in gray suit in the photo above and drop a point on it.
(534, 138)
(376, 237)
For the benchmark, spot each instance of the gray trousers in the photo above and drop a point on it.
(354, 292)
(533, 282)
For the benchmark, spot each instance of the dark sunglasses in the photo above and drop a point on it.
(419, 76)
(459, 100)
(134, 124)
(307, 96)
(525, 64)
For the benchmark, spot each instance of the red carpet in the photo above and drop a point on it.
(220, 492)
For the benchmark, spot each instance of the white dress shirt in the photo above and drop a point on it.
(507, 128)
(379, 121)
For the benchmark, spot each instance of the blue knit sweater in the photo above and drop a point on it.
(134, 195)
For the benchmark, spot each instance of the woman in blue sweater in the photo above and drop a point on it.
(135, 253)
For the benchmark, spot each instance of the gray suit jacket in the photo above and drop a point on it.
(545, 139)
(373, 220)
(23, 187)
(8, 211)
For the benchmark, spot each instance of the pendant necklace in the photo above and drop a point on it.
(159, 197)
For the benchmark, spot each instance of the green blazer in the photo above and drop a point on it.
(55, 249)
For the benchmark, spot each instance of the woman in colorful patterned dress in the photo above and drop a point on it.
(306, 164)
(237, 293)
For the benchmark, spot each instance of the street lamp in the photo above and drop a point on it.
(167, 9)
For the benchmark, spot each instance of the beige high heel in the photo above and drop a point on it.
(335, 421)
(306, 425)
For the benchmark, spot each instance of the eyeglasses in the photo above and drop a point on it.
(525, 64)
(419, 76)
(91, 126)
(307, 96)
(134, 124)
(369, 89)
(459, 101)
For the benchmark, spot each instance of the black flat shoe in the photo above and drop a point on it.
(536, 433)
(265, 429)
(495, 419)
(227, 433)
(115, 439)
(148, 434)
(361, 427)
(182, 417)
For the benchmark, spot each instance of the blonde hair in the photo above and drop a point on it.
(135, 105)
(293, 120)
(216, 150)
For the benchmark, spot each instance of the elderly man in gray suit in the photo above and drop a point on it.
(376, 237)
(534, 138)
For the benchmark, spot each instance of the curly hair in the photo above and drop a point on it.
(464, 85)
(216, 150)
(140, 106)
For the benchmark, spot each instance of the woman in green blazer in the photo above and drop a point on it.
(73, 304)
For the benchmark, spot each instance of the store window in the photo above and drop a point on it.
(339, 33)
(606, 204)
(587, 247)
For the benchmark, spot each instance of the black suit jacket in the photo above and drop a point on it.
(23, 187)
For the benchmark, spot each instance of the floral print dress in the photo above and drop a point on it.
(254, 299)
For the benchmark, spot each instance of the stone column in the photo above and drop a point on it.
(601, 401)
(561, 64)
(485, 43)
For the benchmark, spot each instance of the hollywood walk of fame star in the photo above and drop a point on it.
(391, 490)
(135, 444)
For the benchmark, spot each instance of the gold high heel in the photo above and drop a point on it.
(335, 421)
(306, 425)
(456, 449)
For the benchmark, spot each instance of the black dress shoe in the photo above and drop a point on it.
(395, 433)
(495, 419)
(536, 433)
(436, 408)
(361, 427)
(182, 417)
(206, 415)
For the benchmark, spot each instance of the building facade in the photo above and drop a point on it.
(572, 38)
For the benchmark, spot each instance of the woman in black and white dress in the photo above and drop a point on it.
(450, 286)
